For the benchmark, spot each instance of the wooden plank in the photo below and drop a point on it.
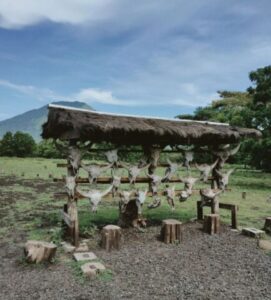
(65, 165)
(62, 195)
(107, 180)
(222, 205)
(66, 218)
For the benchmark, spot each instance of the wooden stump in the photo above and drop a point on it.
(171, 231)
(111, 237)
(267, 225)
(38, 251)
(130, 216)
(211, 223)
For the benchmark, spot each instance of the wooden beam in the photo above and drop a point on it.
(65, 165)
(61, 195)
(107, 180)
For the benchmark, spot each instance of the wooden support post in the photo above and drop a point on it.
(234, 216)
(72, 210)
(39, 251)
(73, 213)
(171, 231)
(267, 225)
(199, 210)
(211, 224)
(111, 237)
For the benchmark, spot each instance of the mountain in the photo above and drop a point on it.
(31, 121)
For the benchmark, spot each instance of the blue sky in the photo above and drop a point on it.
(151, 57)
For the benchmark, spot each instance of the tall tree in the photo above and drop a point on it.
(7, 145)
(261, 89)
(24, 145)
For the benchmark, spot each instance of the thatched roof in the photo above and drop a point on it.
(69, 123)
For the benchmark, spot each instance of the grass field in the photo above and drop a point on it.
(27, 201)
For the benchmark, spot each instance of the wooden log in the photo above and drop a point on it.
(63, 165)
(267, 225)
(211, 224)
(129, 216)
(66, 218)
(234, 210)
(199, 211)
(61, 195)
(111, 237)
(39, 251)
(171, 231)
(108, 180)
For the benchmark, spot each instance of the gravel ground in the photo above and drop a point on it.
(225, 266)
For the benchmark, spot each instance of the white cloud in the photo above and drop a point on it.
(94, 95)
(88, 95)
(40, 94)
(28, 12)
(91, 95)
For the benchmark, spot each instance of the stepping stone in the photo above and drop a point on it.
(83, 247)
(253, 232)
(68, 248)
(92, 269)
(84, 256)
(265, 245)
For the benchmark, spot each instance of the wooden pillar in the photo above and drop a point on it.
(234, 210)
(267, 225)
(171, 231)
(111, 237)
(215, 206)
(211, 224)
(199, 210)
(72, 208)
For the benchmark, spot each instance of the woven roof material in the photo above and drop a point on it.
(68, 123)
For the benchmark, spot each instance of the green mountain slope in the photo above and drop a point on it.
(32, 120)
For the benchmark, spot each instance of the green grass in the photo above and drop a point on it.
(35, 211)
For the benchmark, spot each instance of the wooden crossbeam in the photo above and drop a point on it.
(108, 180)
(60, 195)
(65, 165)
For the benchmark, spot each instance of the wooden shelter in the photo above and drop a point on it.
(67, 123)
(153, 134)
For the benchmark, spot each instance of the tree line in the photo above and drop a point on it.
(22, 144)
(251, 109)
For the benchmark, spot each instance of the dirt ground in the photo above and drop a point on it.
(225, 266)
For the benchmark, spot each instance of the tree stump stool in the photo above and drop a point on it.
(171, 231)
(39, 251)
(111, 237)
(267, 225)
(129, 216)
(211, 224)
